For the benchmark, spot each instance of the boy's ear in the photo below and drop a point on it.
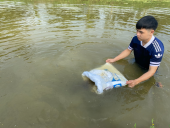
(152, 31)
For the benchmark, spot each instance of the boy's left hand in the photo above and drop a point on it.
(132, 83)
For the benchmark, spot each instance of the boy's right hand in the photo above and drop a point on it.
(109, 60)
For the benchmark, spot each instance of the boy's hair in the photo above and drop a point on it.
(147, 22)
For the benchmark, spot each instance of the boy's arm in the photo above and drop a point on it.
(122, 55)
(147, 75)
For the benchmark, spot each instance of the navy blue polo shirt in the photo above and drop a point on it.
(148, 55)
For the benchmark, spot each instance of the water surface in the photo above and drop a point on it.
(45, 47)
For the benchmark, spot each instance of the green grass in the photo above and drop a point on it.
(150, 126)
(135, 125)
(151, 0)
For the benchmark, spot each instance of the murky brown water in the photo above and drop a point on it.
(45, 47)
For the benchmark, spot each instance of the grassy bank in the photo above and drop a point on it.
(92, 1)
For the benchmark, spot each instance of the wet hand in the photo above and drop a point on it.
(109, 60)
(159, 84)
(131, 83)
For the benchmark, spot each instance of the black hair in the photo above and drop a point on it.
(147, 22)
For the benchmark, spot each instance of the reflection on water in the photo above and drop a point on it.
(44, 48)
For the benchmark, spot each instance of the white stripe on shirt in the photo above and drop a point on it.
(155, 62)
(156, 46)
(130, 48)
(154, 65)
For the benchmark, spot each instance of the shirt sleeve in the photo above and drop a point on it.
(156, 58)
(131, 44)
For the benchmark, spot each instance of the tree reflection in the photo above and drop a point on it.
(12, 36)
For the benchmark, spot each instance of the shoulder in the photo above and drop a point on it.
(157, 46)
(135, 40)
(159, 42)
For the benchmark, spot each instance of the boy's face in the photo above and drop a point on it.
(144, 35)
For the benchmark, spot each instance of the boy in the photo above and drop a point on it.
(148, 50)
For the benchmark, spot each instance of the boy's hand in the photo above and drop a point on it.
(132, 83)
(109, 60)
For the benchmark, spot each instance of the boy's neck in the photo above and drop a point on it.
(145, 42)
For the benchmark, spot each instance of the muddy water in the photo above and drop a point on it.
(45, 47)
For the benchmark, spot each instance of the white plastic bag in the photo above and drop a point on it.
(105, 77)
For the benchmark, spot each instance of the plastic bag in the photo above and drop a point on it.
(105, 77)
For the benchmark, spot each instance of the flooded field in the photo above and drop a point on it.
(46, 46)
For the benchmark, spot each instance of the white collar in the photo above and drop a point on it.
(147, 44)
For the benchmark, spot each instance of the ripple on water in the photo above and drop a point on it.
(47, 46)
